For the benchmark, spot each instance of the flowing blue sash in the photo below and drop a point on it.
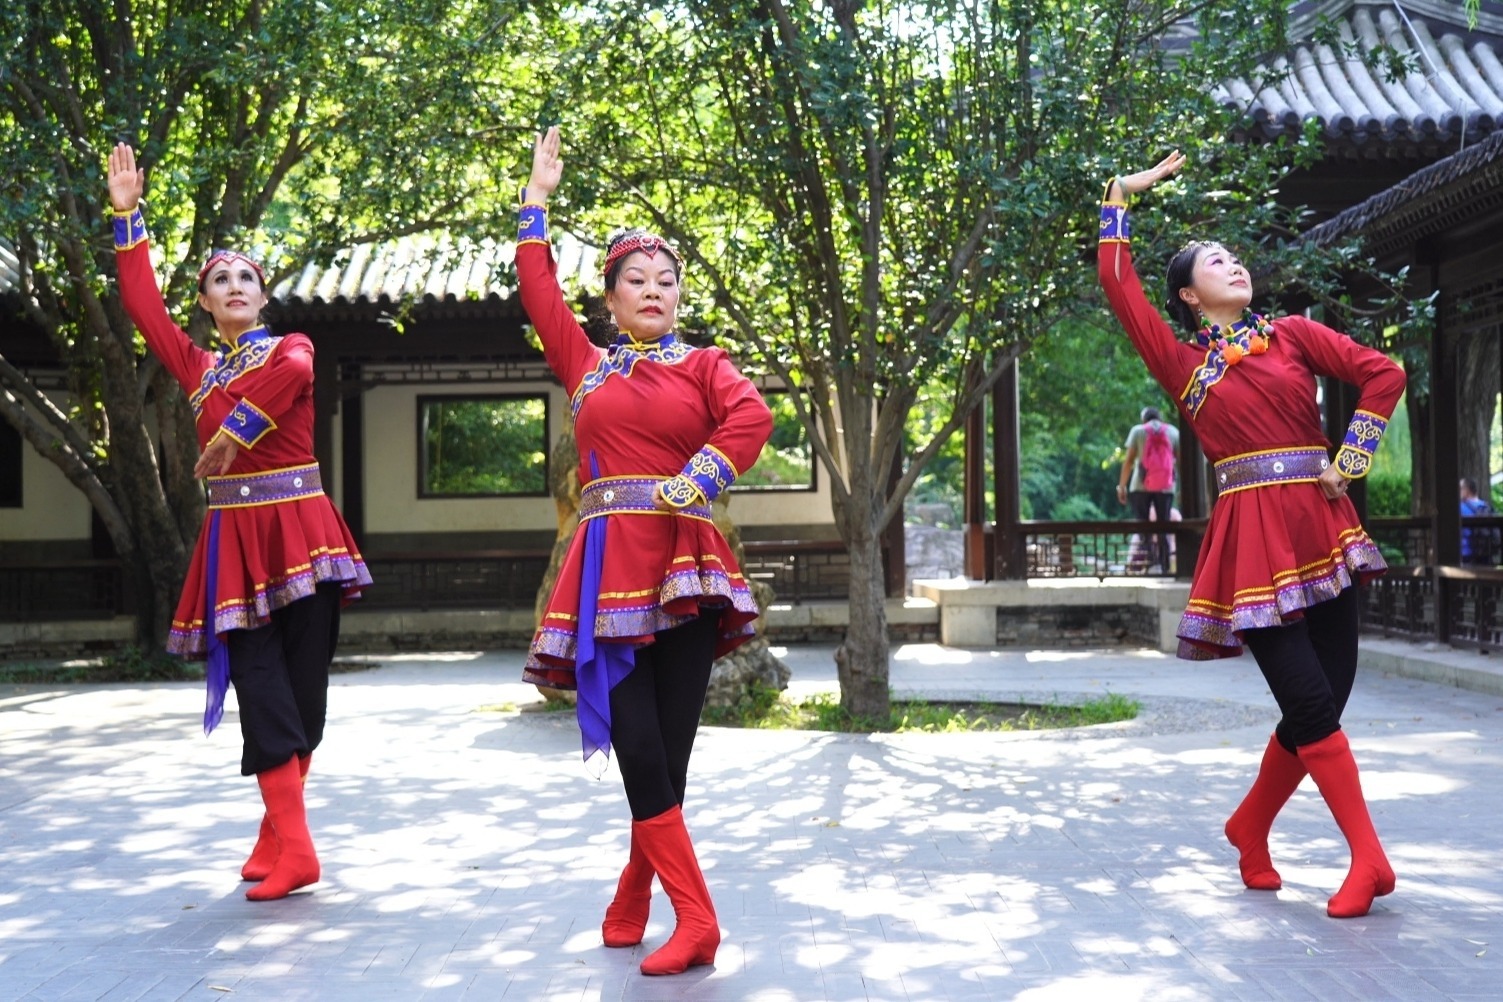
(217, 674)
(598, 667)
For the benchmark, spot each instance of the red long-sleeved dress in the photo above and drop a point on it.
(644, 412)
(1274, 543)
(279, 535)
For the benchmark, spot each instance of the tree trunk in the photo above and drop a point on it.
(1421, 466)
(1477, 400)
(862, 660)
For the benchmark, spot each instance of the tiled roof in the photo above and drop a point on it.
(1453, 93)
(1463, 186)
(10, 274)
(423, 269)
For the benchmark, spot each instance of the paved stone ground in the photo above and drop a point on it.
(467, 855)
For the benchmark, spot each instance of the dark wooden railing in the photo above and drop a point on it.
(800, 570)
(63, 589)
(1417, 600)
(1104, 549)
(797, 570)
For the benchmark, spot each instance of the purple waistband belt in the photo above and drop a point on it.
(273, 487)
(1260, 469)
(627, 496)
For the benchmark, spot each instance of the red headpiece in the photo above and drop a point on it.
(229, 257)
(638, 240)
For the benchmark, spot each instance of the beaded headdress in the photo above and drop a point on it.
(638, 240)
(229, 257)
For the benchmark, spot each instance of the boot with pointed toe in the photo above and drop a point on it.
(696, 931)
(1247, 829)
(264, 856)
(297, 864)
(1334, 770)
(626, 916)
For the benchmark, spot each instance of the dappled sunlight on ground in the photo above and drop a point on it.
(468, 852)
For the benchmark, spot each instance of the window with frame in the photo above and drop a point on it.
(787, 460)
(483, 446)
(10, 466)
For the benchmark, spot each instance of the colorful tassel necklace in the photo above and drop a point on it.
(1249, 336)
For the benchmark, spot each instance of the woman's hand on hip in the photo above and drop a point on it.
(1333, 483)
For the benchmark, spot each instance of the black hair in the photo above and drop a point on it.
(1471, 485)
(1151, 414)
(1181, 275)
(636, 231)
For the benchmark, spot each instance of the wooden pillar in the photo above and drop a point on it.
(1193, 502)
(976, 566)
(325, 407)
(1444, 433)
(1012, 548)
(352, 450)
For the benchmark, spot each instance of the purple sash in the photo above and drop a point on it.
(217, 673)
(597, 667)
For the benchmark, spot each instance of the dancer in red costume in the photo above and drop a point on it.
(649, 593)
(274, 561)
(1284, 548)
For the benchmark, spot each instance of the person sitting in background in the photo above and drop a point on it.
(1478, 545)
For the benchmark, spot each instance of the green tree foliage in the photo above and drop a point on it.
(485, 446)
(786, 459)
(297, 127)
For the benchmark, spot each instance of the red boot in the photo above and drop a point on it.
(1248, 827)
(264, 856)
(1335, 771)
(696, 934)
(296, 865)
(626, 916)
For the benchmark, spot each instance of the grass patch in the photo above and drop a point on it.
(130, 665)
(768, 709)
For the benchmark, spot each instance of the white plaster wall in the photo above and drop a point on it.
(391, 467)
(391, 471)
(51, 507)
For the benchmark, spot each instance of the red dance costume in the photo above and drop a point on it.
(279, 535)
(1274, 545)
(644, 413)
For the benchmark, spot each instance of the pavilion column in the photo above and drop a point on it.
(1011, 541)
(325, 407)
(1193, 503)
(977, 565)
(1445, 428)
(352, 451)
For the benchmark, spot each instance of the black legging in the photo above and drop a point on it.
(1156, 544)
(281, 677)
(655, 714)
(1310, 665)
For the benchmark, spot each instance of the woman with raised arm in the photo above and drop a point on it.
(1284, 548)
(649, 594)
(274, 561)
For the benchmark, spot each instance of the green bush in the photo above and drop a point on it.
(1389, 495)
(1077, 508)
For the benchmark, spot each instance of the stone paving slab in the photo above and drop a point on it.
(468, 855)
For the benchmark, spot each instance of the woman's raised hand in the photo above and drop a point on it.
(1145, 179)
(126, 183)
(547, 168)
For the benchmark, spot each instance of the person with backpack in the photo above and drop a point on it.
(1284, 548)
(1147, 482)
(1478, 546)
